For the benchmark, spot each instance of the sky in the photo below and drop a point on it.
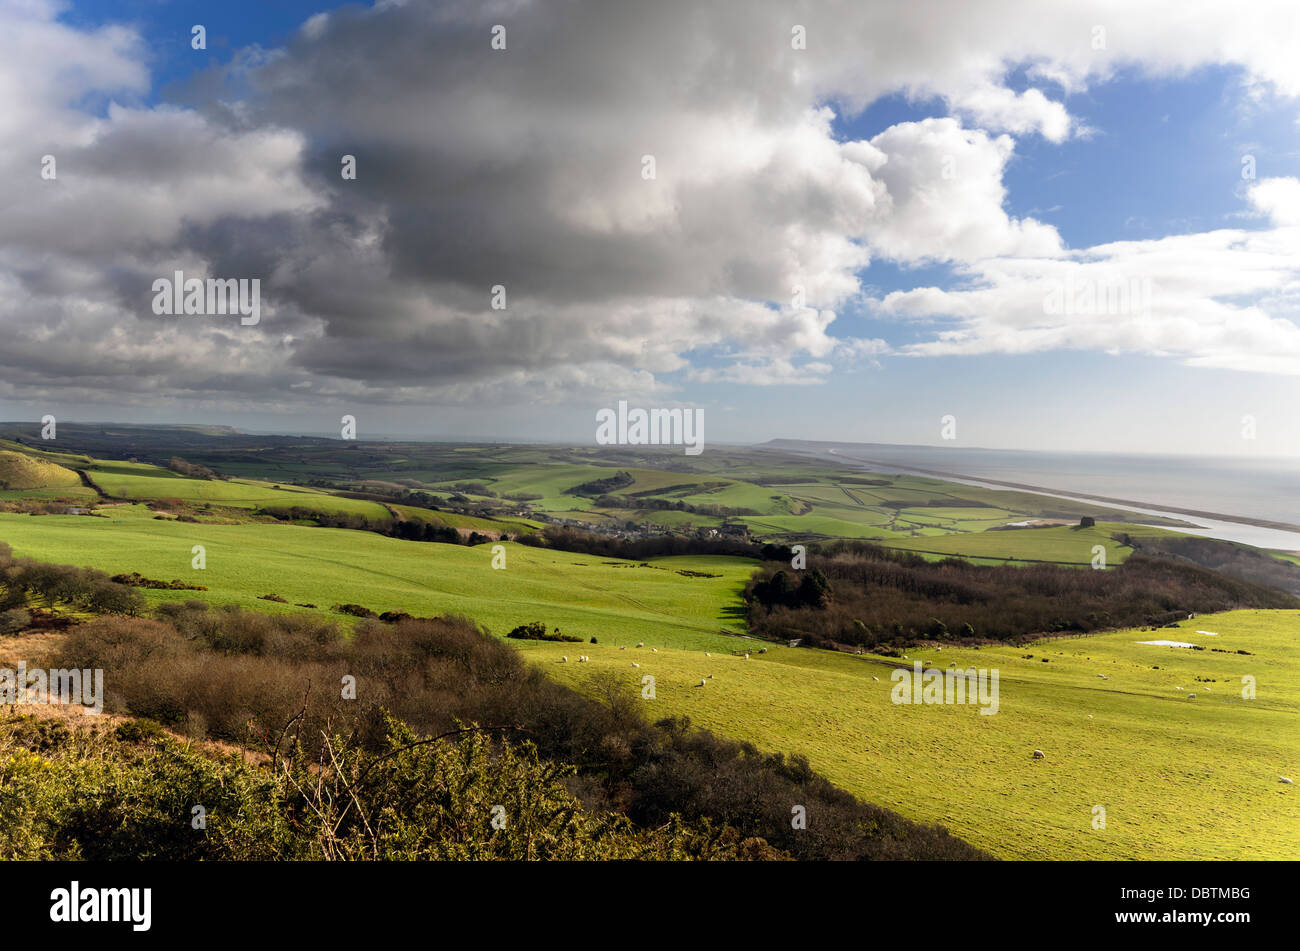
(1065, 227)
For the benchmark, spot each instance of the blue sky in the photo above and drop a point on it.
(1153, 155)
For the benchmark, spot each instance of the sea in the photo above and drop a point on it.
(1227, 488)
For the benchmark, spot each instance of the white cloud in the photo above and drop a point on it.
(524, 168)
(1225, 298)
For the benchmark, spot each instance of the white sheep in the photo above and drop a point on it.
(701, 683)
(1191, 696)
(877, 679)
(654, 650)
(1039, 754)
(564, 660)
(746, 657)
(640, 643)
(707, 654)
(635, 664)
(1283, 779)
(623, 648)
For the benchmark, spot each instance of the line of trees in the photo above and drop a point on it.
(22, 579)
(860, 595)
(569, 538)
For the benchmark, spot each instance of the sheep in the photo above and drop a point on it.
(1039, 754)
(1191, 696)
(640, 643)
(1283, 779)
(564, 660)
(746, 657)
(623, 648)
(1090, 716)
(635, 664)
(953, 664)
(877, 679)
(707, 654)
(701, 683)
(710, 676)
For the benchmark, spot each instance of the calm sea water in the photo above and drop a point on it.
(1262, 487)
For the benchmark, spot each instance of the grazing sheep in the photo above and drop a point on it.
(875, 678)
(635, 664)
(1090, 716)
(707, 654)
(1283, 779)
(1191, 696)
(640, 643)
(710, 676)
(1178, 688)
(953, 664)
(701, 683)
(1039, 754)
(746, 657)
(564, 660)
(622, 648)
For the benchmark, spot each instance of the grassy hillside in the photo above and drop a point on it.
(1069, 545)
(584, 595)
(21, 471)
(1179, 778)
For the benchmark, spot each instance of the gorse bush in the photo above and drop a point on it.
(137, 794)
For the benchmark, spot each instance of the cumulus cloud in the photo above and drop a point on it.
(527, 168)
(1225, 298)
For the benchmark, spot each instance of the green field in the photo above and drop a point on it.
(1178, 778)
(1063, 544)
(583, 595)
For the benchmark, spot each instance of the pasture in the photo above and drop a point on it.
(1178, 778)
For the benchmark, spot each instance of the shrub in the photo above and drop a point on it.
(14, 620)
